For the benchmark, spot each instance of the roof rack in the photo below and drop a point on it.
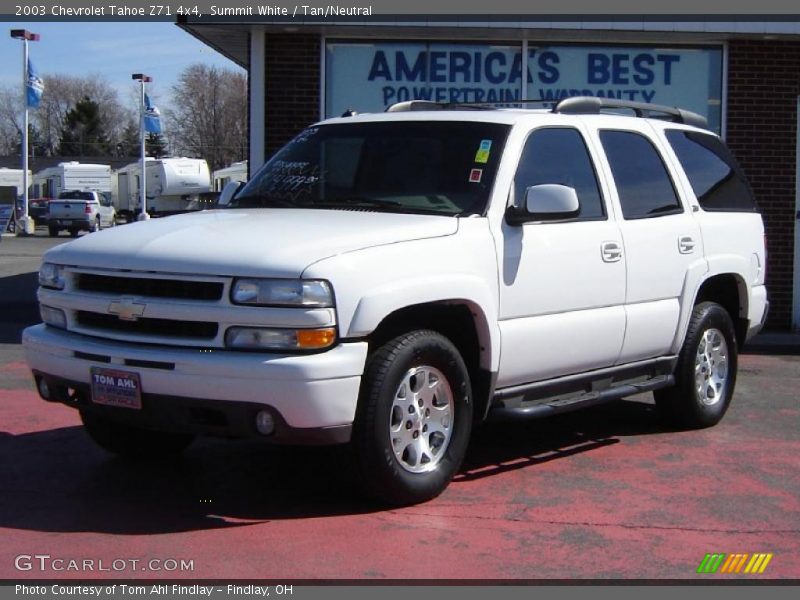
(414, 105)
(593, 105)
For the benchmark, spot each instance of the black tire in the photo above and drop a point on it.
(384, 475)
(53, 231)
(694, 403)
(74, 232)
(133, 442)
(95, 226)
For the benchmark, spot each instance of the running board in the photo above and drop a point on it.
(562, 405)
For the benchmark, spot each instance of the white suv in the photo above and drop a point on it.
(390, 280)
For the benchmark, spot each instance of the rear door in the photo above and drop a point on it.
(661, 237)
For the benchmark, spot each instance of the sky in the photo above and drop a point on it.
(112, 50)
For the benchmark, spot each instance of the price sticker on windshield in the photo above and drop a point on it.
(482, 155)
(475, 175)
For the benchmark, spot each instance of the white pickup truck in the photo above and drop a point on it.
(390, 280)
(76, 211)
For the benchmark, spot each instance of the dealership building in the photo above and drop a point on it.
(743, 76)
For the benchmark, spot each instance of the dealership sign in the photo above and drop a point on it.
(369, 77)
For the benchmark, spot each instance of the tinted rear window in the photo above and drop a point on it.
(76, 196)
(716, 178)
(643, 182)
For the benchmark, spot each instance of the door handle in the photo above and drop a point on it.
(685, 244)
(611, 251)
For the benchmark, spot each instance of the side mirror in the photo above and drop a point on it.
(229, 192)
(546, 202)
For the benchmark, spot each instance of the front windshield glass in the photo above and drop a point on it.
(427, 167)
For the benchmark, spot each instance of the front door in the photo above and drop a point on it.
(562, 287)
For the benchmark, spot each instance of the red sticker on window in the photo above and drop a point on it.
(475, 175)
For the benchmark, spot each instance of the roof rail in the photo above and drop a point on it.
(593, 105)
(414, 105)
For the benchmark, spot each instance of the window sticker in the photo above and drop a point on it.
(475, 175)
(482, 155)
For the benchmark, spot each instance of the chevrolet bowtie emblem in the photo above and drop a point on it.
(127, 309)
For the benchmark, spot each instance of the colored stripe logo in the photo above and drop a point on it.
(748, 564)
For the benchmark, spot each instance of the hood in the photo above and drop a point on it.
(255, 243)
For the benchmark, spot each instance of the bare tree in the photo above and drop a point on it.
(62, 93)
(209, 115)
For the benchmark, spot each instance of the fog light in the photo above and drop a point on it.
(54, 317)
(265, 423)
(44, 389)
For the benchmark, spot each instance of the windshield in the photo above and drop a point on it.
(423, 167)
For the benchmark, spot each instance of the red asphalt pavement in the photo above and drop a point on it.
(606, 493)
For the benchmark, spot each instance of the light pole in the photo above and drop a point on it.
(26, 224)
(142, 79)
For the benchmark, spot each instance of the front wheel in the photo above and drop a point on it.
(132, 442)
(414, 418)
(706, 372)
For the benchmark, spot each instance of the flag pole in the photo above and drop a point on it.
(142, 79)
(26, 224)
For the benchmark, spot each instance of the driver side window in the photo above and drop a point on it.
(559, 155)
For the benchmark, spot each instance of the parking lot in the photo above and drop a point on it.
(604, 493)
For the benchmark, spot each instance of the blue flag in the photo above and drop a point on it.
(34, 85)
(152, 116)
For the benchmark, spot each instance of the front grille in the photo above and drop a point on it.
(195, 330)
(156, 288)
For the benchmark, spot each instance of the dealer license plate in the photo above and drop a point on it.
(116, 388)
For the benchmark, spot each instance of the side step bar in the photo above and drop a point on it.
(562, 405)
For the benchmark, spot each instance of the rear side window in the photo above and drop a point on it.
(716, 178)
(643, 182)
(559, 155)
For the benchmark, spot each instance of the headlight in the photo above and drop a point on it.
(309, 293)
(51, 276)
(267, 338)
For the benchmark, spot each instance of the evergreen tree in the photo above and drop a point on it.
(155, 145)
(83, 133)
(129, 145)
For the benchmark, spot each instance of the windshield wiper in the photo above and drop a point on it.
(258, 201)
(363, 200)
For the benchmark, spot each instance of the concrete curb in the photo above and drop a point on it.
(772, 342)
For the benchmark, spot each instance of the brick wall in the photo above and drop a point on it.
(293, 86)
(763, 85)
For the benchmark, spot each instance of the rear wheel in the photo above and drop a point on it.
(415, 417)
(95, 226)
(53, 231)
(132, 442)
(74, 232)
(705, 376)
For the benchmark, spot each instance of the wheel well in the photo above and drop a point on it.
(457, 323)
(730, 292)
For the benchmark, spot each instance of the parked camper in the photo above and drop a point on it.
(12, 177)
(50, 182)
(174, 185)
(235, 172)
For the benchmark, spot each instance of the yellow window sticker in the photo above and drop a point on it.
(482, 155)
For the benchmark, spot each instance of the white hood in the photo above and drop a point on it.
(254, 242)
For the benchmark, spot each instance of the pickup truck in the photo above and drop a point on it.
(78, 211)
(393, 280)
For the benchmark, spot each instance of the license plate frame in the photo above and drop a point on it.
(116, 387)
